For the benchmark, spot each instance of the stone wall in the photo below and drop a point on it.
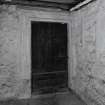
(88, 52)
(15, 46)
(87, 71)
(12, 83)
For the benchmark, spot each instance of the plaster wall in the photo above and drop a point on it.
(86, 48)
(14, 82)
(88, 52)
(15, 47)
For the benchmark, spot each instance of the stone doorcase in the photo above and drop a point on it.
(15, 47)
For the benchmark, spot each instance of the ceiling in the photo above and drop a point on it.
(61, 4)
(63, 1)
(64, 4)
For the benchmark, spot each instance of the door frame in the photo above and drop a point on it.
(44, 15)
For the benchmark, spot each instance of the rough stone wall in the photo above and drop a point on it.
(88, 52)
(12, 83)
(15, 32)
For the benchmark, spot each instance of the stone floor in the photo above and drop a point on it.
(65, 98)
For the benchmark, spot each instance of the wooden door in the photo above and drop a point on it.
(49, 57)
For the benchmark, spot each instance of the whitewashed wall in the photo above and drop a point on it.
(15, 46)
(88, 52)
(13, 81)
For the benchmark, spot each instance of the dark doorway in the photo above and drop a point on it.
(49, 57)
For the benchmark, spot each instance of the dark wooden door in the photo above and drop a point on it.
(49, 57)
